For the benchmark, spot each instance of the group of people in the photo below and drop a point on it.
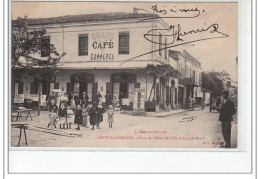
(93, 114)
(85, 112)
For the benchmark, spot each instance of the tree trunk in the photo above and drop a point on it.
(39, 98)
(154, 81)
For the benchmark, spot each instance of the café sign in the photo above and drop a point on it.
(102, 46)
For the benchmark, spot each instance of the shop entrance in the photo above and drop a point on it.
(83, 82)
(123, 85)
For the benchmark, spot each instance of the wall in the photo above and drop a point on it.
(65, 39)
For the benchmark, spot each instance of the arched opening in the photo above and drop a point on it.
(82, 82)
(123, 85)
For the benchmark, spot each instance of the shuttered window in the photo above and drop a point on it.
(123, 43)
(33, 88)
(20, 88)
(45, 46)
(83, 44)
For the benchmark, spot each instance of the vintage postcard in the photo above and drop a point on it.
(124, 75)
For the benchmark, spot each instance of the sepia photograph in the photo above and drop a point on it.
(123, 75)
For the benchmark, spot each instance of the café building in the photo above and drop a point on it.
(108, 53)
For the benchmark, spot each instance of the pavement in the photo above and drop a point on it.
(174, 129)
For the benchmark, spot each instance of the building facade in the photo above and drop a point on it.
(108, 53)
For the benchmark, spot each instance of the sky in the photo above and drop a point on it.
(217, 54)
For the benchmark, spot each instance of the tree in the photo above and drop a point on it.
(159, 70)
(26, 46)
(213, 81)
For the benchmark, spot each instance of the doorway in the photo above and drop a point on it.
(123, 85)
(83, 82)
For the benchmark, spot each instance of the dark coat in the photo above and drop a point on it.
(84, 100)
(227, 110)
(100, 112)
(78, 117)
(54, 107)
(108, 99)
(92, 116)
(77, 101)
(62, 112)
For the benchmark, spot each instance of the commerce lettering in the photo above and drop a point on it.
(102, 56)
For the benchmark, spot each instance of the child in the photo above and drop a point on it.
(110, 113)
(78, 117)
(53, 114)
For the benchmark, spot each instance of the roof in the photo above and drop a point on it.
(90, 18)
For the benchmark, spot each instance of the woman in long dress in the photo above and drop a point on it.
(78, 117)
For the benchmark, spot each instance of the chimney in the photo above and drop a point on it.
(135, 10)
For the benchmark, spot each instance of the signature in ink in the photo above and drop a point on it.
(177, 34)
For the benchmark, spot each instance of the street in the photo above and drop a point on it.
(190, 129)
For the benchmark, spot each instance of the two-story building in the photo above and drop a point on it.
(190, 83)
(108, 53)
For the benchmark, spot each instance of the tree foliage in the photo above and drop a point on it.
(213, 81)
(26, 47)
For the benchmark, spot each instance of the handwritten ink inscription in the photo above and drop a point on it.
(193, 12)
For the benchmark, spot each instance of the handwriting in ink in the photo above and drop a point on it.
(175, 9)
(177, 34)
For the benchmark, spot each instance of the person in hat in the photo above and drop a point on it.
(227, 111)
(84, 99)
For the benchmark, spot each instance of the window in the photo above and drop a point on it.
(45, 46)
(83, 44)
(33, 88)
(124, 43)
(20, 88)
(160, 43)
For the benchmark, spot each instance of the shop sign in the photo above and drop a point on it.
(139, 90)
(103, 47)
(125, 102)
(35, 97)
(19, 98)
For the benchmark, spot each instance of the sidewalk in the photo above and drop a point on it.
(165, 113)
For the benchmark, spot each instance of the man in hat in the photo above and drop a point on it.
(227, 110)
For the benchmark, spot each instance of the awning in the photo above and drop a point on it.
(137, 64)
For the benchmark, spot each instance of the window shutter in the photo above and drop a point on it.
(69, 88)
(20, 88)
(108, 88)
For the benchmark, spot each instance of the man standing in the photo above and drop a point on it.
(227, 110)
